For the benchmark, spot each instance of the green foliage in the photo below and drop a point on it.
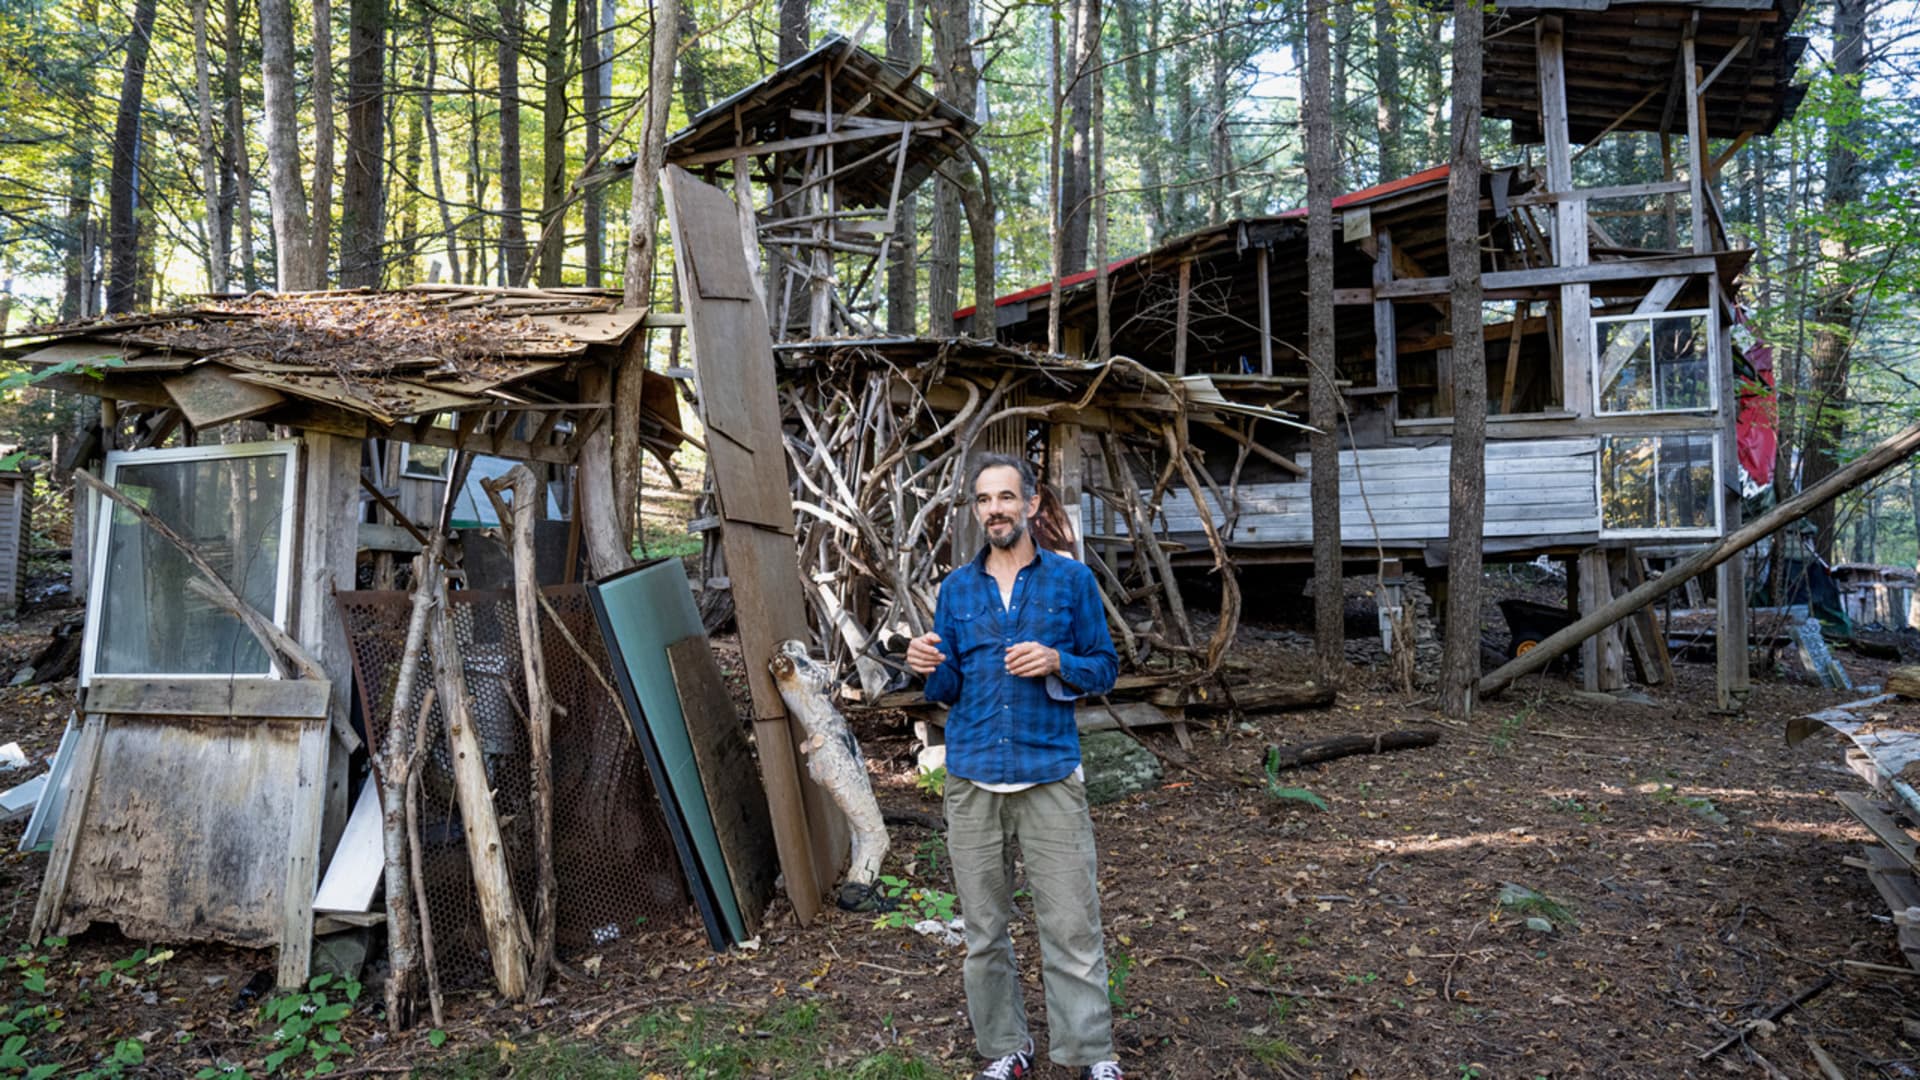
(1119, 967)
(1532, 906)
(1278, 791)
(913, 903)
(1511, 726)
(304, 1033)
(932, 782)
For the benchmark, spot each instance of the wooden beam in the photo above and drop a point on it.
(1700, 91)
(808, 142)
(1266, 313)
(1696, 136)
(1180, 318)
(1386, 352)
(1617, 191)
(1563, 275)
(1265, 452)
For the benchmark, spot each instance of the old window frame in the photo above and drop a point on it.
(100, 526)
(1712, 327)
(1703, 532)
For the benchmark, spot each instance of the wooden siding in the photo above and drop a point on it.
(1543, 488)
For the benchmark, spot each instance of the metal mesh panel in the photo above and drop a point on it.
(613, 860)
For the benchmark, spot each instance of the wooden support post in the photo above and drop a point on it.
(329, 543)
(1696, 144)
(1731, 676)
(1513, 355)
(607, 551)
(1386, 335)
(1066, 466)
(1180, 318)
(1570, 220)
(1600, 656)
(1266, 310)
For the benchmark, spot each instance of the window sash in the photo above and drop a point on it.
(1659, 474)
(1659, 375)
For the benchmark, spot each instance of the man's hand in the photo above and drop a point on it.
(1030, 659)
(923, 655)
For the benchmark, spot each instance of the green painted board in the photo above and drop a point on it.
(642, 611)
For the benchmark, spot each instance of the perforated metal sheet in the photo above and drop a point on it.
(614, 869)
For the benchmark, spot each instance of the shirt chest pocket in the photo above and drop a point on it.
(1051, 624)
(974, 627)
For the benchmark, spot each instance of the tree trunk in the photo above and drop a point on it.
(1142, 70)
(903, 52)
(1913, 499)
(1220, 180)
(209, 159)
(1467, 473)
(237, 148)
(436, 163)
(1837, 317)
(693, 65)
(645, 212)
(526, 608)
(73, 297)
(291, 227)
(593, 215)
(553, 148)
(955, 79)
(1386, 98)
(1076, 169)
(1329, 600)
(320, 246)
(123, 182)
(362, 195)
(409, 186)
(794, 30)
(513, 226)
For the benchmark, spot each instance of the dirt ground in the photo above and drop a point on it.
(1683, 873)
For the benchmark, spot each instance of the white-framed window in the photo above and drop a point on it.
(1658, 363)
(235, 505)
(1664, 483)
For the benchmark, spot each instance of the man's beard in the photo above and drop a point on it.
(1017, 530)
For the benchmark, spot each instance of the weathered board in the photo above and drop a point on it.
(209, 395)
(734, 795)
(1534, 488)
(733, 359)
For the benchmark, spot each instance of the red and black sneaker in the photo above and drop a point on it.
(1015, 1066)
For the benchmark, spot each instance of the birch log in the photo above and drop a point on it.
(539, 718)
(833, 757)
(506, 931)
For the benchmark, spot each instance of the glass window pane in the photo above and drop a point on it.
(1626, 483)
(229, 509)
(1626, 366)
(1686, 481)
(1680, 360)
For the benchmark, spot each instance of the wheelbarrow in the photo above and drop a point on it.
(1528, 624)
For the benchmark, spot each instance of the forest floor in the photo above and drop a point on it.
(1684, 873)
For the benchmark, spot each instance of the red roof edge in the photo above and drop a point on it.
(1352, 198)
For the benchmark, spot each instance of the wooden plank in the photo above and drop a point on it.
(1386, 354)
(1605, 670)
(220, 698)
(93, 353)
(370, 536)
(1584, 273)
(1881, 825)
(1266, 314)
(307, 809)
(210, 395)
(782, 146)
(354, 872)
(327, 563)
(732, 349)
(1893, 878)
(1180, 317)
(1617, 191)
(53, 886)
(728, 776)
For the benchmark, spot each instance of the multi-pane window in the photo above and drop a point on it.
(150, 613)
(1654, 363)
(1659, 483)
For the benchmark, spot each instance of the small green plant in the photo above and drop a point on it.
(932, 782)
(306, 1027)
(1262, 960)
(1470, 1072)
(1273, 1052)
(912, 903)
(1362, 980)
(125, 1055)
(1276, 790)
(1510, 729)
(1119, 966)
(1541, 911)
(932, 853)
(1701, 806)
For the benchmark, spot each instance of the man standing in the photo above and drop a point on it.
(1019, 634)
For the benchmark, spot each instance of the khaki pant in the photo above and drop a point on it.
(1050, 823)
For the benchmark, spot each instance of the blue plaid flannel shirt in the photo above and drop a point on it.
(1005, 729)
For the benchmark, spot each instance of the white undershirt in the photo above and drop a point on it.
(1006, 604)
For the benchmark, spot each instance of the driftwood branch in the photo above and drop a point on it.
(1773, 1014)
(1313, 753)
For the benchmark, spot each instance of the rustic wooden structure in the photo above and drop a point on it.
(822, 151)
(16, 529)
(350, 379)
(1612, 377)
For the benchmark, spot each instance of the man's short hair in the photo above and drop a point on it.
(1029, 483)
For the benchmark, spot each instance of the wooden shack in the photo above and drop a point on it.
(1613, 380)
(16, 540)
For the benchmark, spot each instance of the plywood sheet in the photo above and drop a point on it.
(184, 833)
(591, 326)
(358, 860)
(727, 774)
(210, 395)
(707, 231)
